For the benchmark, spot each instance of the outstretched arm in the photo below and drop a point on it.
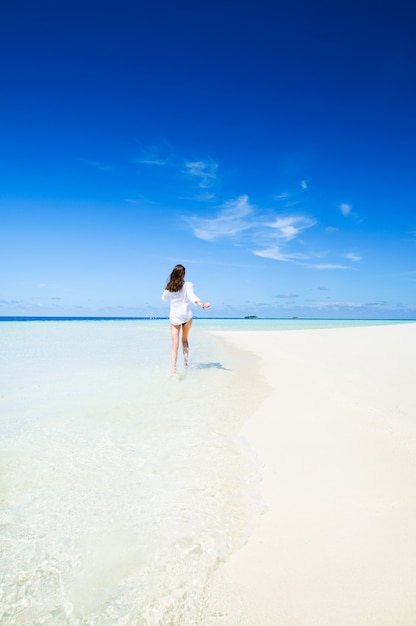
(203, 305)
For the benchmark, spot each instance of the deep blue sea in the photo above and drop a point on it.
(121, 487)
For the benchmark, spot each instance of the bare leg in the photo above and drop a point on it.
(174, 331)
(185, 345)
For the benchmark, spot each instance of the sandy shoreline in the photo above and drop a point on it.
(335, 440)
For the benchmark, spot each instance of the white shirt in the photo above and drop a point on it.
(180, 303)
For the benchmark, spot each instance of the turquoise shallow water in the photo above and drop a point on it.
(121, 487)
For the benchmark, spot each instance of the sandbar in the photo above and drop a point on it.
(335, 443)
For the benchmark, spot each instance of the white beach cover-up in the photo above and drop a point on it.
(180, 303)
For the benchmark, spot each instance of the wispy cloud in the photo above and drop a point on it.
(229, 221)
(194, 174)
(152, 161)
(351, 304)
(269, 239)
(291, 226)
(353, 256)
(22, 305)
(293, 195)
(285, 195)
(339, 305)
(276, 253)
(205, 172)
(329, 266)
(287, 295)
(345, 208)
(278, 234)
(152, 155)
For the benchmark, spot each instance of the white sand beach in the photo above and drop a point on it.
(336, 446)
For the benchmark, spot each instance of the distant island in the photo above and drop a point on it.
(254, 317)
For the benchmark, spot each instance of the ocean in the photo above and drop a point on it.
(122, 487)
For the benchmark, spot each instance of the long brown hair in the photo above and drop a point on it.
(176, 278)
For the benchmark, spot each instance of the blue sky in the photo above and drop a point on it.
(269, 146)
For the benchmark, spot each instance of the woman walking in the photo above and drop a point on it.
(181, 295)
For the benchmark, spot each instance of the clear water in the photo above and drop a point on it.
(121, 487)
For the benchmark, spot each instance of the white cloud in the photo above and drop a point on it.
(329, 266)
(275, 253)
(151, 161)
(345, 208)
(229, 221)
(152, 156)
(338, 305)
(264, 237)
(290, 227)
(303, 184)
(205, 172)
(352, 256)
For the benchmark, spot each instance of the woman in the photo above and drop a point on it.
(181, 295)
